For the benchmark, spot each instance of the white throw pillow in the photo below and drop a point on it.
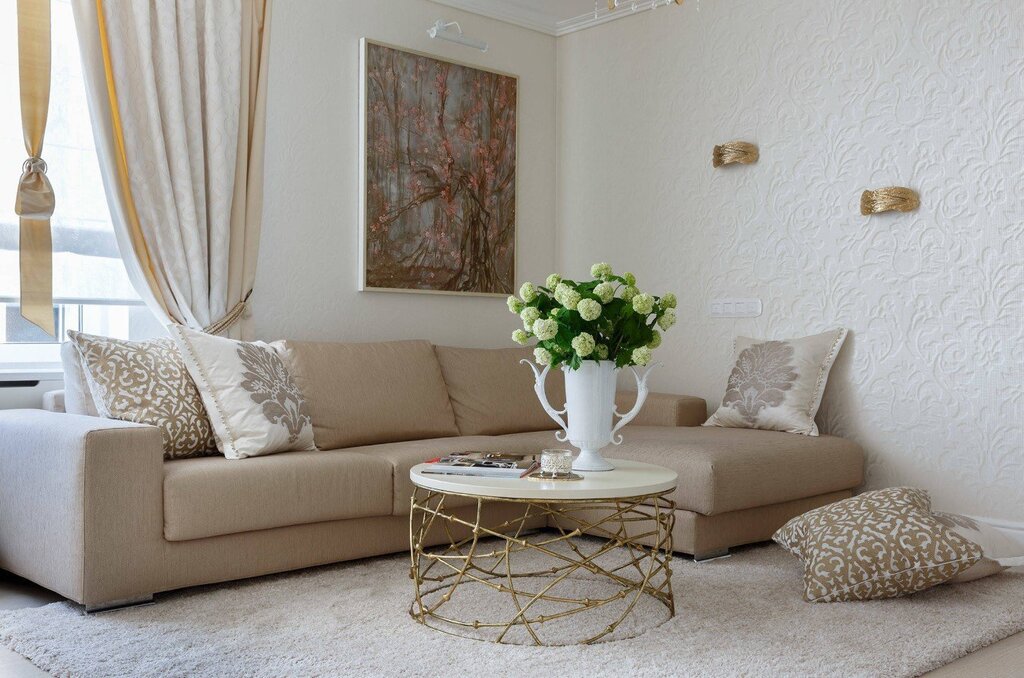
(255, 405)
(1000, 551)
(777, 385)
(77, 397)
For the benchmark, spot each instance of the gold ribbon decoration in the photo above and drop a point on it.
(35, 202)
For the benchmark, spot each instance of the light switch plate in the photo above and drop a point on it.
(734, 308)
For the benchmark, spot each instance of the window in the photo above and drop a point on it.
(90, 285)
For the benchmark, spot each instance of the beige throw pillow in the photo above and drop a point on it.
(778, 385)
(880, 544)
(146, 382)
(254, 403)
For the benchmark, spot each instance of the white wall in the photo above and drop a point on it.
(840, 96)
(308, 273)
(27, 396)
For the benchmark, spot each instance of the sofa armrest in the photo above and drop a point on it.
(81, 504)
(53, 401)
(665, 409)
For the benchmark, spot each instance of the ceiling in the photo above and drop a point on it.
(554, 17)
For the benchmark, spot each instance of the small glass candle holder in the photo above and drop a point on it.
(556, 463)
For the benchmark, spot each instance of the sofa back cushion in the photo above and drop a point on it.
(492, 393)
(362, 394)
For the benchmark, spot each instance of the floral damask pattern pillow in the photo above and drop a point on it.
(778, 385)
(146, 382)
(879, 544)
(255, 405)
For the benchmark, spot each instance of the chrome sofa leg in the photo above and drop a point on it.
(114, 605)
(710, 555)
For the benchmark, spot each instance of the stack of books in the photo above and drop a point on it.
(484, 464)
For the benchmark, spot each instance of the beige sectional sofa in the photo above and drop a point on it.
(89, 508)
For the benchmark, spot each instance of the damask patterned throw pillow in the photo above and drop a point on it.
(778, 385)
(146, 382)
(254, 403)
(879, 544)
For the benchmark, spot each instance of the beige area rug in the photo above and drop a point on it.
(737, 616)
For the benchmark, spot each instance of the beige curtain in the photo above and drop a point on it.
(35, 202)
(177, 92)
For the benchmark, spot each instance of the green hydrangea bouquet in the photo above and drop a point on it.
(607, 318)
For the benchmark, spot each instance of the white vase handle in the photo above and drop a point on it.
(539, 377)
(641, 397)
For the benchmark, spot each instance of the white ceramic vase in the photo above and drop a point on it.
(589, 409)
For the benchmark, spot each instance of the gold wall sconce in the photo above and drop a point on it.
(896, 198)
(734, 152)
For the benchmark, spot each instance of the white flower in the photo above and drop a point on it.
(529, 315)
(583, 344)
(606, 292)
(629, 278)
(545, 328)
(514, 304)
(629, 291)
(668, 300)
(589, 309)
(567, 296)
(542, 356)
(641, 356)
(528, 292)
(520, 337)
(601, 350)
(655, 341)
(601, 270)
(552, 281)
(643, 303)
(668, 319)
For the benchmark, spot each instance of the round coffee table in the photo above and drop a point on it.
(625, 513)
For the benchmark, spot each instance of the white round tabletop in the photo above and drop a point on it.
(629, 479)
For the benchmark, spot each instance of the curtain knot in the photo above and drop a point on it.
(33, 164)
(35, 194)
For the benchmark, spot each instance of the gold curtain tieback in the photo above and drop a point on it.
(35, 198)
(230, 318)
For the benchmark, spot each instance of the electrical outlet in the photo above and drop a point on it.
(734, 308)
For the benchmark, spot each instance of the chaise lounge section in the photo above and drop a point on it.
(90, 509)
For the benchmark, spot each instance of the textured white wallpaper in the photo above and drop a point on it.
(840, 96)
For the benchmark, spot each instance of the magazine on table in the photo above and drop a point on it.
(484, 464)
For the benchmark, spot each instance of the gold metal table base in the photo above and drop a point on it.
(638, 528)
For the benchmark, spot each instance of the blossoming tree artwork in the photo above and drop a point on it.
(439, 203)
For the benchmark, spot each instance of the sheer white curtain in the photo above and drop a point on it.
(177, 93)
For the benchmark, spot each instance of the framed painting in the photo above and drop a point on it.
(437, 174)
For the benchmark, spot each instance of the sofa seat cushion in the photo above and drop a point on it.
(727, 469)
(363, 394)
(403, 456)
(215, 496)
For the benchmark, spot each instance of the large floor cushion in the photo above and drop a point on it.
(213, 496)
(362, 394)
(492, 393)
(726, 469)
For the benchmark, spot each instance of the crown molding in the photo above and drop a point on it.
(525, 17)
(502, 11)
